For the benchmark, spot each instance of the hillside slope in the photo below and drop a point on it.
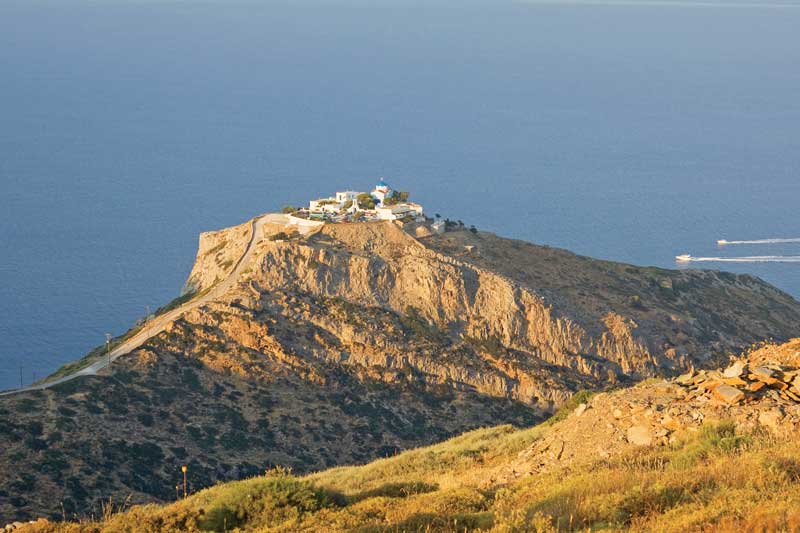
(667, 456)
(354, 342)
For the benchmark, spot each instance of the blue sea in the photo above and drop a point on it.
(631, 131)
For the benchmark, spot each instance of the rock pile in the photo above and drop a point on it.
(758, 392)
(744, 382)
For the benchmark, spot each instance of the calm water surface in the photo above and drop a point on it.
(619, 131)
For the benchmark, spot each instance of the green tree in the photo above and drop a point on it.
(397, 198)
(365, 201)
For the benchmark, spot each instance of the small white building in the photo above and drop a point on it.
(345, 196)
(439, 227)
(398, 211)
(324, 205)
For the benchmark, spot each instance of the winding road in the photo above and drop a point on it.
(159, 323)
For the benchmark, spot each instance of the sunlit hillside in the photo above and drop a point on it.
(704, 464)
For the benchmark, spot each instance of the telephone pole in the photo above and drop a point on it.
(108, 347)
(184, 469)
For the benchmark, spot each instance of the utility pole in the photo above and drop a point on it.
(184, 469)
(20, 376)
(108, 347)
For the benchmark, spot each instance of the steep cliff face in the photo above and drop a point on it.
(595, 321)
(217, 254)
(357, 340)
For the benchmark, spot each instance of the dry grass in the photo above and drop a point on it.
(466, 460)
(713, 480)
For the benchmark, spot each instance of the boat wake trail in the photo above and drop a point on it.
(723, 242)
(746, 259)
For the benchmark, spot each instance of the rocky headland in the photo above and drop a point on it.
(348, 342)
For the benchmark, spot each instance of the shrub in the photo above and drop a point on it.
(712, 438)
(233, 440)
(66, 411)
(786, 467)
(396, 490)
(280, 236)
(265, 502)
(459, 522)
(415, 323)
(26, 405)
(582, 396)
(190, 380)
(653, 499)
(180, 300)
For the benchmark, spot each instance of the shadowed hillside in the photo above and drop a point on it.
(667, 456)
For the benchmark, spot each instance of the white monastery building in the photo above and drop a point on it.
(388, 205)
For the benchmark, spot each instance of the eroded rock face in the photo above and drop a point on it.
(517, 308)
(217, 253)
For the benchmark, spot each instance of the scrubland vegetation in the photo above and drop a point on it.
(714, 480)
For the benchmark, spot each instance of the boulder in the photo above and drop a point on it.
(763, 372)
(771, 418)
(640, 435)
(735, 370)
(672, 424)
(728, 394)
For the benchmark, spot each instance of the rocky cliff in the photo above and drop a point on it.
(217, 254)
(505, 308)
(355, 341)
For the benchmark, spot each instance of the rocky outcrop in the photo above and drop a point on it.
(596, 321)
(217, 254)
(759, 391)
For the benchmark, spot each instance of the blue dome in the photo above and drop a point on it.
(382, 183)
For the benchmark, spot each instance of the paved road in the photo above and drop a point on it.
(159, 323)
